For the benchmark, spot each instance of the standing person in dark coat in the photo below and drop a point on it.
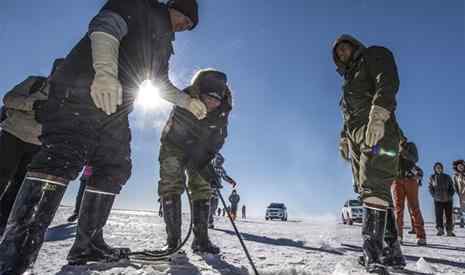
(244, 216)
(234, 199)
(441, 188)
(19, 137)
(86, 174)
(85, 120)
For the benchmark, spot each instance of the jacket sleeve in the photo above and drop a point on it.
(456, 184)
(109, 22)
(20, 98)
(383, 70)
(430, 186)
(450, 186)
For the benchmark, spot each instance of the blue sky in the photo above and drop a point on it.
(286, 121)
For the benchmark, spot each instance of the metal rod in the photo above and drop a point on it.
(238, 234)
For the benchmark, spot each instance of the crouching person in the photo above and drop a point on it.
(218, 176)
(188, 145)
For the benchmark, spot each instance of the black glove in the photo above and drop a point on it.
(38, 108)
(356, 189)
(3, 114)
(216, 183)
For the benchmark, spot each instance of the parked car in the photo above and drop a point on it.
(276, 211)
(352, 212)
(459, 217)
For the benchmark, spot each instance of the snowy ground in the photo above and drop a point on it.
(310, 246)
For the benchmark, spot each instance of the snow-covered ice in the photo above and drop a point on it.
(296, 247)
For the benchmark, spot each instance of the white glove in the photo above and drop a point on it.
(375, 128)
(197, 108)
(106, 90)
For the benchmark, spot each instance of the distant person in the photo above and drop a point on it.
(234, 199)
(419, 177)
(224, 211)
(441, 188)
(244, 216)
(19, 137)
(459, 182)
(219, 212)
(406, 188)
(84, 178)
(160, 208)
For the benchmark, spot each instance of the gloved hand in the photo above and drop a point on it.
(344, 149)
(216, 183)
(375, 128)
(106, 90)
(355, 186)
(38, 107)
(197, 108)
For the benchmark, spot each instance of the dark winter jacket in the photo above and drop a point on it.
(200, 139)
(407, 160)
(370, 79)
(144, 30)
(19, 105)
(441, 187)
(234, 199)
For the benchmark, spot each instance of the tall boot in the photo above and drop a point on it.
(172, 215)
(374, 221)
(392, 254)
(33, 211)
(89, 245)
(201, 242)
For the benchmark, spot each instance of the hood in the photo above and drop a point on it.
(456, 164)
(438, 164)
(341, 67)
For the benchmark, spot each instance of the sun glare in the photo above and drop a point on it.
(148, 97)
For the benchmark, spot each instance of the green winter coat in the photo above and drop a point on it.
(370, 79)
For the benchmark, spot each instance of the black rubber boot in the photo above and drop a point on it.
(392, 253)
(89, 245)
(373, 227)
(172, 215)
(201, 242)
(32, 212)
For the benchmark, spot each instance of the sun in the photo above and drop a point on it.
(149, 98)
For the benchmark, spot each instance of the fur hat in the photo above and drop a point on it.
(187, 7)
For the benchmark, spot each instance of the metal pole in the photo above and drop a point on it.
(238, 234)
